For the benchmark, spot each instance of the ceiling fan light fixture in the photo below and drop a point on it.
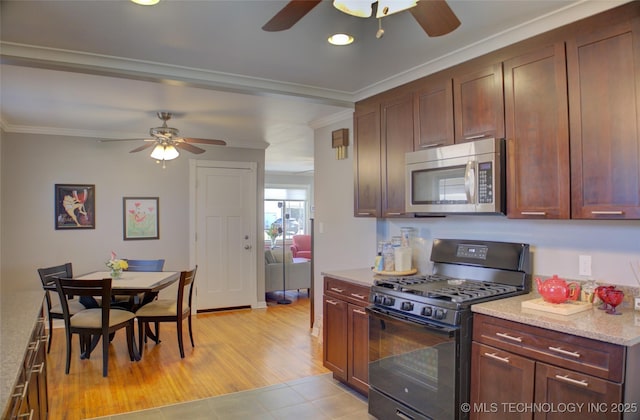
(145, 2)
(359, 8)
(389, 7)
(162, 152)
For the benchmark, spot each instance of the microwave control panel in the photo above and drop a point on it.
(485, 182)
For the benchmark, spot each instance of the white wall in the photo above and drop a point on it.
(32, 164)
(343, 241)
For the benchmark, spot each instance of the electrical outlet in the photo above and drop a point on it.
(584, 265)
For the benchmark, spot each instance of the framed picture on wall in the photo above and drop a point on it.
(140, 218)
(75, 206)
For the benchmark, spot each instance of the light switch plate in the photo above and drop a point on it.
(636, 305)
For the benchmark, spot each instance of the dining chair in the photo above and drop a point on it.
(129, 302)
(170, 310)
(96, 322)
(145, 265)
(54, 311)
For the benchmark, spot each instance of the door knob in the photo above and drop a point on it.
(247, 247)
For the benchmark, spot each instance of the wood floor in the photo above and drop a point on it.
(235, 351)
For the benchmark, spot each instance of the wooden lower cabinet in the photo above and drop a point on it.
(334, 354)
(556, 386)
(511, 382)
(358, 348)
(523, 372)
(346, 333)
(521, 388)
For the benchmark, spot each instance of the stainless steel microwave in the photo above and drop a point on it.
(460, 178)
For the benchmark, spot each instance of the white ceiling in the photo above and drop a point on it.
(104, 68)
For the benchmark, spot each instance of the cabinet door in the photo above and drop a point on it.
(335, 326)
(604, 106)
(537, 127)
(367, 150)
(592, 398)
(479, 104)
(397, 140)
(498, 378)
(433, 114)
(358, 349)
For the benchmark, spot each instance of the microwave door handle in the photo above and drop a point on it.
(470, 182)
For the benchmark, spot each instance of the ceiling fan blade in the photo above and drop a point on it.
(111, 140)
(189, 148)
(204, 141)
(435, 17)
(289, 15)
(143, 147)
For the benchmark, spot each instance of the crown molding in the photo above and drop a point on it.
(104, 65)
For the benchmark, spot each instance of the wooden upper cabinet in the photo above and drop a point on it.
(478, 104)
(537, 132)
(604, 105)
(433, 114)
(367, 152)
(397, 140)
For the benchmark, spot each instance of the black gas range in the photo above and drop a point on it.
(465, 272)
(420, 326)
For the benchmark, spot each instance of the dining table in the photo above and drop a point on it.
(134, 284)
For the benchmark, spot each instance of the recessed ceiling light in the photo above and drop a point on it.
(146, 2)
(340, 39)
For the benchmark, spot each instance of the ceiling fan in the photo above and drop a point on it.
(167, 141)
(434, 16)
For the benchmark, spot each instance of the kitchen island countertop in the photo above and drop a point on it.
(594, 323)
(18, 316)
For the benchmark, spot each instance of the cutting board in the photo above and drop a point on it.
(567, 308)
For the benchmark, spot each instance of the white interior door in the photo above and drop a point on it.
(225, 236)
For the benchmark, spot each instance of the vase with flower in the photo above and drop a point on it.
(273, 232)
(116, 266)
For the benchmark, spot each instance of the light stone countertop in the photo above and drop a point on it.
(363, 276)
(19, 314)
(596, 324)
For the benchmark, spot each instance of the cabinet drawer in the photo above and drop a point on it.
(597, 358)
(350, 292)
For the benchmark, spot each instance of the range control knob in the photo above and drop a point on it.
(426, 311)
(440, 314)
(407, 306)
(377, 299)
(388, 301)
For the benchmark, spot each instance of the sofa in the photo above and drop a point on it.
(301, 246)
(297, 271)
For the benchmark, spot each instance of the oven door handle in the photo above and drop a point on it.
(438, 329)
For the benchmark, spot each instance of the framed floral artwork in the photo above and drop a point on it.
(75, 206)
(140, 218)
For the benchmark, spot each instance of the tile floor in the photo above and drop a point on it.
(315, 397)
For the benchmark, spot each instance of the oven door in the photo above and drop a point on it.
(414, 363)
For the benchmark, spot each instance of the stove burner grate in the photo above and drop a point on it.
(470, 290)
